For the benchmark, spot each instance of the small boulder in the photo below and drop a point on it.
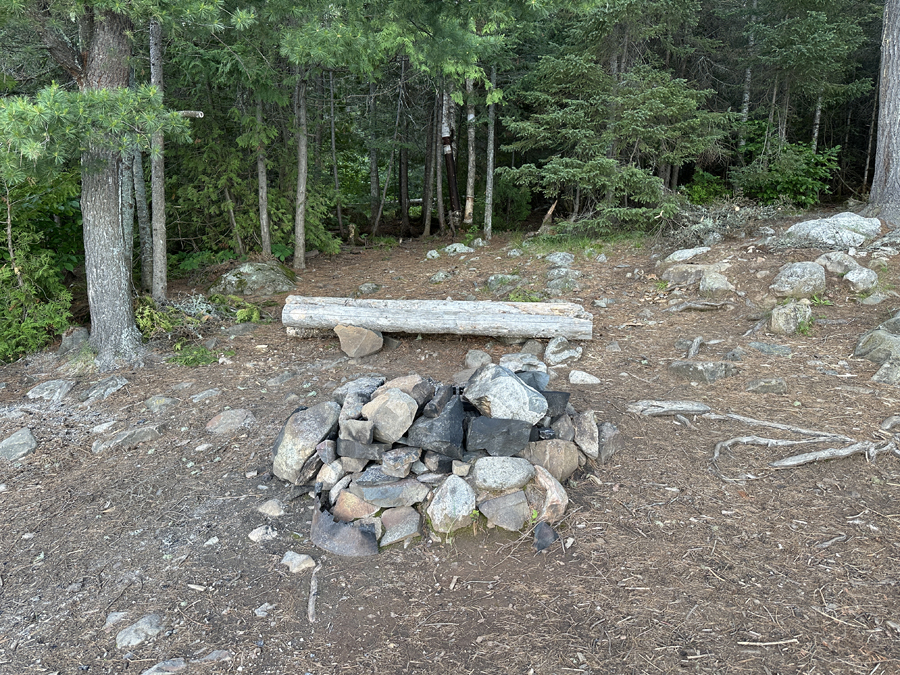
(703, 371)
(799, 280)
(611, 441)
(252, 278)
(586, 433)
(509, 512)
(298, 439)
(358, 342)
(559, 350)
(229, 421)
(452, 505)
(787, 319)
(768, 385)
(18, 445)
(556, 499)
(843, 230)
(401, 523)
(392, 414)
(581, 377)
(497, 474)
(497, 392)
(560, 458)
(297, 562)
(148, 627)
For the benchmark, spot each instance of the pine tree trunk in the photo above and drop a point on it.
(447, 143)
(320, 124)
(817, 117)
(302, 172)
(489, 169)
(334, 161)
(263, 181)
(875, 106)
(428, 192)
(157, 176)
(229, 205)
(782, 123)
(374, 183)
(438, 158)
(469, 213)
(143, 218)
(403, 166)
(126, 197)
(884, 199)
(745, 108)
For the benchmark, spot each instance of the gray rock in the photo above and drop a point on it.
(271, 508)
(442, 396)
(882, 347)
(348, 507)
(205, 394)
(52, 390)
(405, 492)
(560, 259)
(611, 441)
(533, 347)
(497, 474)
(229, 421)
(889, 372)
(715, 286)
(509, 512)
(768, 385)
(685, 254)
(400, 524)
(687, 274)
(523, 362)
(297, 562)
(475, 358)
(18, 445)
(461, 469)
(392, 413)
(556, 499)
(350, 449)
(563, 273)
(72, 340)
(560, 458)
(586, 433)
(237, 330)
(703, 371)
(458, 248)
(330, 474)
(557, 402)
(840, 231)
(397, 462)
(787, 319)
(497, 392)
(559, 350)
(737, 354)
(215, 655)
(534, 379)
(799, 280)
(360, 431)
(262, 533)
(298, 439)
(837, 262)
(437, 462)
(160, 404)
(498, 282)
(342, 484)
(374, 476)
(499, 437)
(581, 377)
(353, 465)
(358, 342)
(564, 428)
(418, 387)
(103, 389)
(361, 387)
(167, 666)
(861, 279)
(368, 288)
(478, 242)
(129, 438)
(770, 349)
(452, 506)
(442, 434)
(326, 451)
(567, 283)
(432, 255)
(139, 632)
(268, 278)
(281, 378)
(440, 277)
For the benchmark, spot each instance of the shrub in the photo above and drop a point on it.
(705, 188)
(793, 173)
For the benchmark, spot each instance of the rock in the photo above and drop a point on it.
(715, 286)
(497, 474)
(297, 562)
(442, 434)
(354, 465)
(349, 449)
(369, 288)
(478, 242)
(560, 458)
(611, 441)
(458, 248)
(439, 277)
(52, 390)
(263, 533)
(787, 319)
(497, 392)
(326, 451)
(523, 362)
(581, 377)
(360, 431)
(557, 402)
(509, 512)
(148, 627)
(205, 394)
(564, 282)
(342, 484)
(499, 437)
(686, 274)
(559, 350)
(837, 262)
(563, 428)
(768, 385)
(737, 354)
(563, 273)
(392, 413)
(840, 231)
(160, 404)
(514, 253)
(361, 387)
(452, 506)
(882, 347)
(437, 463)
(129, 438)
(229, 421)
(18, 445)
(475, 358)
(298, 439)
(441, 397)
(103, 389)
(418, 387)
(685, 254)
(560, 259)
(400, 524)
(374, 476)
(113, 618)
(349, 507)
(167, 666)
(703, 371)
(397, 462)
(215, 655)
(238, 330)
(330, 474)
(72, 340)
(889, 373)
(461, 468)
(358, 342)
(342, 538)
(534, 379)
(432, 255)
(544, 535)
(405, 492)
(586, 433)
(556, 499)
(264, 278)
(533, 347)
(499, 282)
(799, 280)
(271, 508)
(861, 279)
(770, 349)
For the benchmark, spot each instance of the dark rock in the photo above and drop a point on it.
(374, 476)
(437, 463)
(544, 535)
(564, 428)
(442, 434)
(327, 451)
(500, 437)
(405, 492)
(72, 340)
(556, 402)
(361, 431)
(535, 379)
(397, 462)
(611, 441)
(769, 349)
(356, 450)
(341, 538)
(441, 396)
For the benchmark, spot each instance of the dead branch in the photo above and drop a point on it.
(658, 408)
(313, 594)
(821, 455)
(698, 305)
(778, 425)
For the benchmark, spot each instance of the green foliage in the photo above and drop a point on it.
(512, 202)
(154, 321)
(524, 295)
(793, 173)
(180, 264)
(817, 301)
(236, 307)
(706, 188)
(193, 355)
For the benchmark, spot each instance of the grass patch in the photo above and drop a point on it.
(521, 295)
(193, 356)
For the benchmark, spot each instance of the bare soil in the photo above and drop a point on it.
(662, 566)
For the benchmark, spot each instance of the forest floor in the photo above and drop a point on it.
(662, 566)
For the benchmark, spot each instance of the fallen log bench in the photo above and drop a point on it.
(496, 319)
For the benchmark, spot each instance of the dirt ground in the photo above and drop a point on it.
(662, 565)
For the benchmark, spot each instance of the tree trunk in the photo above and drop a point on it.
(875, 106)
(113, 331)
(320, 123)
(302, 172)
(229, 204)
(745, 109)
(403, 167)
(263, 181)
(489, 170)
(334, 162)
(469, 213)
(157, 176)
(447, 143)
(884, 199)
(143, 218)
(782, 123)
(428, 192)
(374, 184)
(126, 197)
(438, 155)
(817, 117)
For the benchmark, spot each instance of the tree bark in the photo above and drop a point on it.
(229, 205)
(865, 183)
(447, 143)
(334, 162)
(884, 199)
(403, 166)
(374, 184)
(126, 210)
(263, 181)
(157, 176)
(439, 153)
(489, 170)
(302, 173)
(469, 214)
(428, 192)
(817, 117)
(320, 123)
(143, 217)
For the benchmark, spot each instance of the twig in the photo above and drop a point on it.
(694, 349)
(313, 594)
(778, 425)
(756, 327)
(769, 644)
(830, 453)
(834, 618)
(699, 306)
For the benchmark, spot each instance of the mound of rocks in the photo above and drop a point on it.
(385, 455)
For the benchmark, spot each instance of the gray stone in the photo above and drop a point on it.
(262, 533)
(500, 437)
(440, 277)
(882, 346)
(350, 449)
(72, 340)
(265, 278)
(499, 282)
(560, 458)
(442, 434)
(354, 465)
(497, 392)
(509, 512)
(461, 468)
(349, 507)
(560, 259)
(271, 508)
(567, 283)
(534, 379)
(514, 253)
(18, 445)
(418, 387)
(215, 655)
(889, 372)
(452, 506)
(715, 286)
(205, 394)
(368, 288)
(564, 428)
(397, 462)
(497, 474)
(437, 463)
(861, 279)
(737, 354)
(475, 358)
(703, 371)
(458, 248)
(770, 349)
(361, 387)
(238, 330)
(837, 262)
(523, 362)
(129, 438)
(167, 666)
(687, 274)
(533, 347)
(139, 632)
(160, 404)
(685, 254)
(103, 389)
(281, 378)
(581, 377)
(442, 396)
(556, 499)
(358, 342)
(799, 280)
(478, 242)
(432, 255)
(611, 441)
(393, 412)
(400, 524)
(405, 492)
(586, 433)
(297, 562)
(374, 476)
(563, 273)
(361, 431)
(298, 439)
(342, 484)
(787, 319)
(840, 231)
(768, 385)
(559, 350)
(330, 474)
(52, 390)
(326, 451)
(229, 421)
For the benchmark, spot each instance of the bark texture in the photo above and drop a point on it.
(263, 181)
(469, 213)
(302, 173)
(158, 176)
(143, 218)
(884, 199)
(489, 170)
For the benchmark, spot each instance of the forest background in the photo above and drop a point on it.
(151, 138)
